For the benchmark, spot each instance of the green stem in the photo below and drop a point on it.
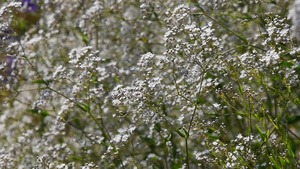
(187, 153)
(77, 104)
(221, 24)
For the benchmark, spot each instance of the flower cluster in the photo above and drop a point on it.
(149, 84)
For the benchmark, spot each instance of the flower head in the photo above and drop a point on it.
(29, 6)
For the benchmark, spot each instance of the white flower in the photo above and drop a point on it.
(239, 136)
(271, 57)
(294, 13)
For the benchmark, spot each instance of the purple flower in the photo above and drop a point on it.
(7, 74)
(10, 61)
(9, 34)
(30, 6)
(28, 16)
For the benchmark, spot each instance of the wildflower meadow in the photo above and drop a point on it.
(149, 84)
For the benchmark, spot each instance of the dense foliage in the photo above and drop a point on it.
(149, 84)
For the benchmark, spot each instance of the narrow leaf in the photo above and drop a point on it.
(274, 162)
(85, 38)
(82, 108)
(282, 162)
(268, 133)
(291, 153)
(243, 38)
(260, 132)
(33, 111)
(273, 122)
(186, 133)
(87, 108)
(44, 113)
(39, 81)
(181, 134)
(293, 119)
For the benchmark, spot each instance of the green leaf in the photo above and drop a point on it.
(287, 64)
(117, 80)
(202, 10)
(198, 101)
(22, 25)
(178, 132)
(77, 122)
(212, 114)
(268, 133)
(210, 75)
(289, 88)
(186, 133)
(39, 81)
(274, 162)
(213, 136)
(87, 108)
(188, 1)
(261, 133)
(85, 38)
(157, 127)
(282, 162)
(287, 160)
(293, 119)
(73, 158)
(297, 101)
(273, 122)
(44, 113)
(258, 117)
(241, 89)
(33, 111)
(82, 108)
(211, 130)
(243, 38)
(291, 153)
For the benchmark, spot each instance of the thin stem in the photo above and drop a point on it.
(27, 90)
(196, 104)
(97, 35)
(77, 104)
(191, 121)
(133, 155)
(221, 24)
(187, 153)
(32, 66)
(164, 118)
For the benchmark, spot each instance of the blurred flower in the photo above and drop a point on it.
(294, 13)
(10, 61)
(6, 68)
(29, 6)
